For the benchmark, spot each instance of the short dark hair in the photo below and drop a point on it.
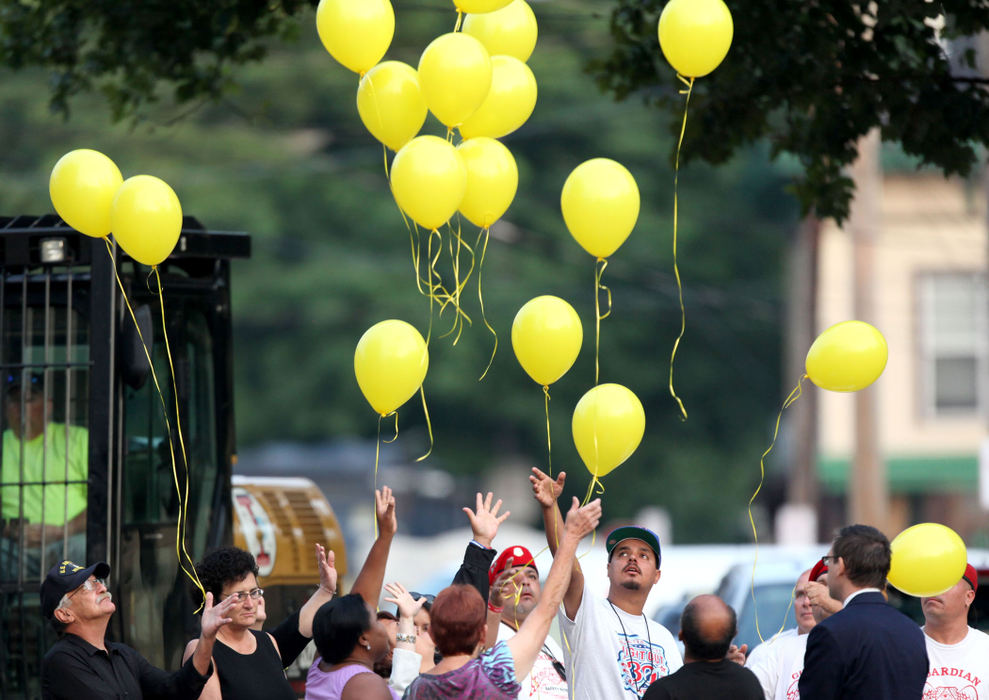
(866, 554)
(457, 619)
(385, 615)
(222, 566)
(338, 625)
(707, 647)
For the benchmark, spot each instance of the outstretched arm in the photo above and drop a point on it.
(372, 574)
(546, 491)
(484, 523)
(525, 645)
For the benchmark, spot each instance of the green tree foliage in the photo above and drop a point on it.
(813, 77)
(285, 157)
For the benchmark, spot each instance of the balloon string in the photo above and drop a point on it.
(429, 426)
(794, 395)
(549, 444)
(460, 19)
(459, 286)
(594, 487)
(377, 455)
(676, 267)
(599, 268)
(485, 232)
(164, 412)
(384, 157)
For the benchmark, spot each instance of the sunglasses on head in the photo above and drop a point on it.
(428, 596)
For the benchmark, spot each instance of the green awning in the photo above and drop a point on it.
(909, 474)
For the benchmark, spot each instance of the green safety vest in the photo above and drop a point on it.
(47, 458)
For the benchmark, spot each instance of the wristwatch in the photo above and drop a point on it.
(402, 637)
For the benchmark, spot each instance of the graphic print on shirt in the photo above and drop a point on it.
(544, 681)
(792, 691)
(947, 693)
(640, 665)
(951, 683)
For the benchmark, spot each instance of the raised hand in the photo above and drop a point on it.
(544, 488)
(384, 506)
(325, 561)
(505, 586)
(408, 606)
(819, 596)
(215, 616)
(485, 521)
(582, 520)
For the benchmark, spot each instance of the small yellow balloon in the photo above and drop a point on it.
(357, 33)
(390, 364)
(510, 31)
(82, 186)
(848, 356)
(390, 103)
(492, 180)
(600, 203)
(479, 6)
(146, 219)
(428, 180)
(509, 102)
(927, 560)
(546, 337)
(608, 425)
(695, 35)
(455, 76)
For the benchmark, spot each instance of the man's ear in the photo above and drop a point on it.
(64, 615)
(680, 635)
(658, 574)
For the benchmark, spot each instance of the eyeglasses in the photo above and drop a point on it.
(428, 596)
(832, 558)
(90, 584)
(244, 595)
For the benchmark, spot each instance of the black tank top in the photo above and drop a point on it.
(257, 676)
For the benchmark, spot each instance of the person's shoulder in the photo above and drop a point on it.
(977, 638)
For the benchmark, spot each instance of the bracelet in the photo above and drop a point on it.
(494, 608)
(402, 637)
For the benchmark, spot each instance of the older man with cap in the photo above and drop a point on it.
(613, 650)
(958, 654)
(514, 594)
(83, 665)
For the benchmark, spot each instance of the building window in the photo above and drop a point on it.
(953, 342)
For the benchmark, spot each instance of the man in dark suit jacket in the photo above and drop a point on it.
(868, 649)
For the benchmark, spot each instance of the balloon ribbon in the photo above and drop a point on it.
(549, 444)
(377, 455)
(676, 267)
(789, 401)
(485, 232)
(599, 267)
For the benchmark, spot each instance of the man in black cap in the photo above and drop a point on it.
(82, 665)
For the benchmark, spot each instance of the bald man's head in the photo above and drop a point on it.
(707, 627)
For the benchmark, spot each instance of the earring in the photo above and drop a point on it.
(367, 646)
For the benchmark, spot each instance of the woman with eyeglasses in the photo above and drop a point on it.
(249, 664)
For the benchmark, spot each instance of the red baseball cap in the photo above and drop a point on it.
(820, 568)
(971, 576)
(518, 555)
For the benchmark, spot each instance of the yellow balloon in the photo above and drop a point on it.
(390, 103)
(848, 356)
(546, 337)
(82, 186)
(146, 219)
(428, 180)
(695, 35)
(479, 5)
(928, 559)
(492, 180)
(357, 33)
(510, 31)
(509, 102)
(390, 363)
(455, 76)
(608, 425)
(600, 203)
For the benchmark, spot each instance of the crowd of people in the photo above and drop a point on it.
(486, 635)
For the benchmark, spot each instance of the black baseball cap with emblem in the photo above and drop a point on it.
(630, 532)
(64, 578)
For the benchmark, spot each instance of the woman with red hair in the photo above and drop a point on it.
(458, 626)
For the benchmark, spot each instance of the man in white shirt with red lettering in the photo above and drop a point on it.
(613, 651)
(958, 654)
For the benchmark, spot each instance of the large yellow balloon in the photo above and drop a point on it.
(82, 186)
(928, 559)
(492, 180)
(608, 425)
(695, 35)
(509, 102)
(390, 363)
(455, 76)
(390, 103)
(600, 203)
(546, 337)
(357, 33)
(479, 5)
(848, 356)
(146, 219)
(428, 179)
(510, 31)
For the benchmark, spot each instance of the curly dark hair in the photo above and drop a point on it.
(222, 566)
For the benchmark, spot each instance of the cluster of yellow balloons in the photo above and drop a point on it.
(91, 196)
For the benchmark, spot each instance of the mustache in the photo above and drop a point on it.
(105, 596)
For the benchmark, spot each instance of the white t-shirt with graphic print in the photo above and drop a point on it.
(611, 654)
(778, 664)
(543, 682)
(958, 671)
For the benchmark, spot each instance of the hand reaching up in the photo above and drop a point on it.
(545, 489)
(325, 560)
(215, 616)
(485, 521)
(384, 506)
(403, 600)
(582, 520)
